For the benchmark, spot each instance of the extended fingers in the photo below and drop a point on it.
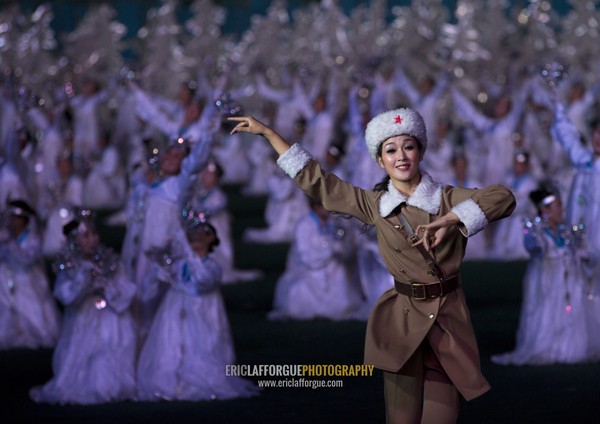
(434, 241)
(243, 122)
(428, 240)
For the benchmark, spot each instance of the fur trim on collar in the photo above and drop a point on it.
(427, 196)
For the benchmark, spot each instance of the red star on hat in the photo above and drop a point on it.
(398, 119)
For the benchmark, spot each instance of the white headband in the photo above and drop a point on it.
(547, 200)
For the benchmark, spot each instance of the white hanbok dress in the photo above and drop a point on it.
(94, 360)
(552, 325)
(583, 204)
(86, 125)
(58, 200)
(317, 282)
(29, 316)
(155, 223)
(214, 201)
(105, 186)
(189, 344)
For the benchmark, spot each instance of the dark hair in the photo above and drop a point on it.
(545, 189)
(24, 207)
(69, 227)
(383, 184)
(206, 228)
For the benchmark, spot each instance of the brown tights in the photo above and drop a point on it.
(421, 393)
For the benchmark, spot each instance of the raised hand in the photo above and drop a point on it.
(252, 125)
(248, 124)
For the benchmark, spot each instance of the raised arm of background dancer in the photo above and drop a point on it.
(565, 132)
(302, 99)
(519, 101)
(591, 94)
(377, 102)
(167, 106)
(209, 121)
(248, 124)
(204, 85)
(406, 86)
(357, 129)
(197, 159)
(333, 90)
(148, 112)
(315, 88)
(269, 93)
(541, 94)
(441, 84)
(12, 147)
(468, 113)
(38, 118)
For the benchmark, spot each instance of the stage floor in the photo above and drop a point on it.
(548, 394)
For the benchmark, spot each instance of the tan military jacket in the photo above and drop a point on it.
(399, 324)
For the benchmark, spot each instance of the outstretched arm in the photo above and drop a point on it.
(251, 125)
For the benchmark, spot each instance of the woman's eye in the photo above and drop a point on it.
(389, 151)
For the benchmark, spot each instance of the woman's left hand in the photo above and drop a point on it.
(431, 235)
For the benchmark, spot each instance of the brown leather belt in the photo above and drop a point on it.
(424, 291)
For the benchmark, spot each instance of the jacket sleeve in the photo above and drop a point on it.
(335, 194)
(481, 207)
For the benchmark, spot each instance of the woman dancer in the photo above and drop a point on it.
(419, 332)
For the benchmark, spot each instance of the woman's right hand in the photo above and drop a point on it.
(249, 124)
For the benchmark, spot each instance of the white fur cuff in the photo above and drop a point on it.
(471, 216)
(294, 160)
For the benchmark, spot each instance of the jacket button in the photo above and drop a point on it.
(405, 311)
(403, 271)
(396, 249)
(396, 227)
(430, 273)
(431, 315)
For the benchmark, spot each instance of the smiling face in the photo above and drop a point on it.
(400, 157)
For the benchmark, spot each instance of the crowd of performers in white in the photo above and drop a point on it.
(89, 134)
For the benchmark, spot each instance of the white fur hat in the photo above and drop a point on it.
(392, 123)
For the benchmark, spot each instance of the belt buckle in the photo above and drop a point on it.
(414, 295)
(413, 238)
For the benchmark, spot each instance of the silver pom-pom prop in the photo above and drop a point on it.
(553, 73)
